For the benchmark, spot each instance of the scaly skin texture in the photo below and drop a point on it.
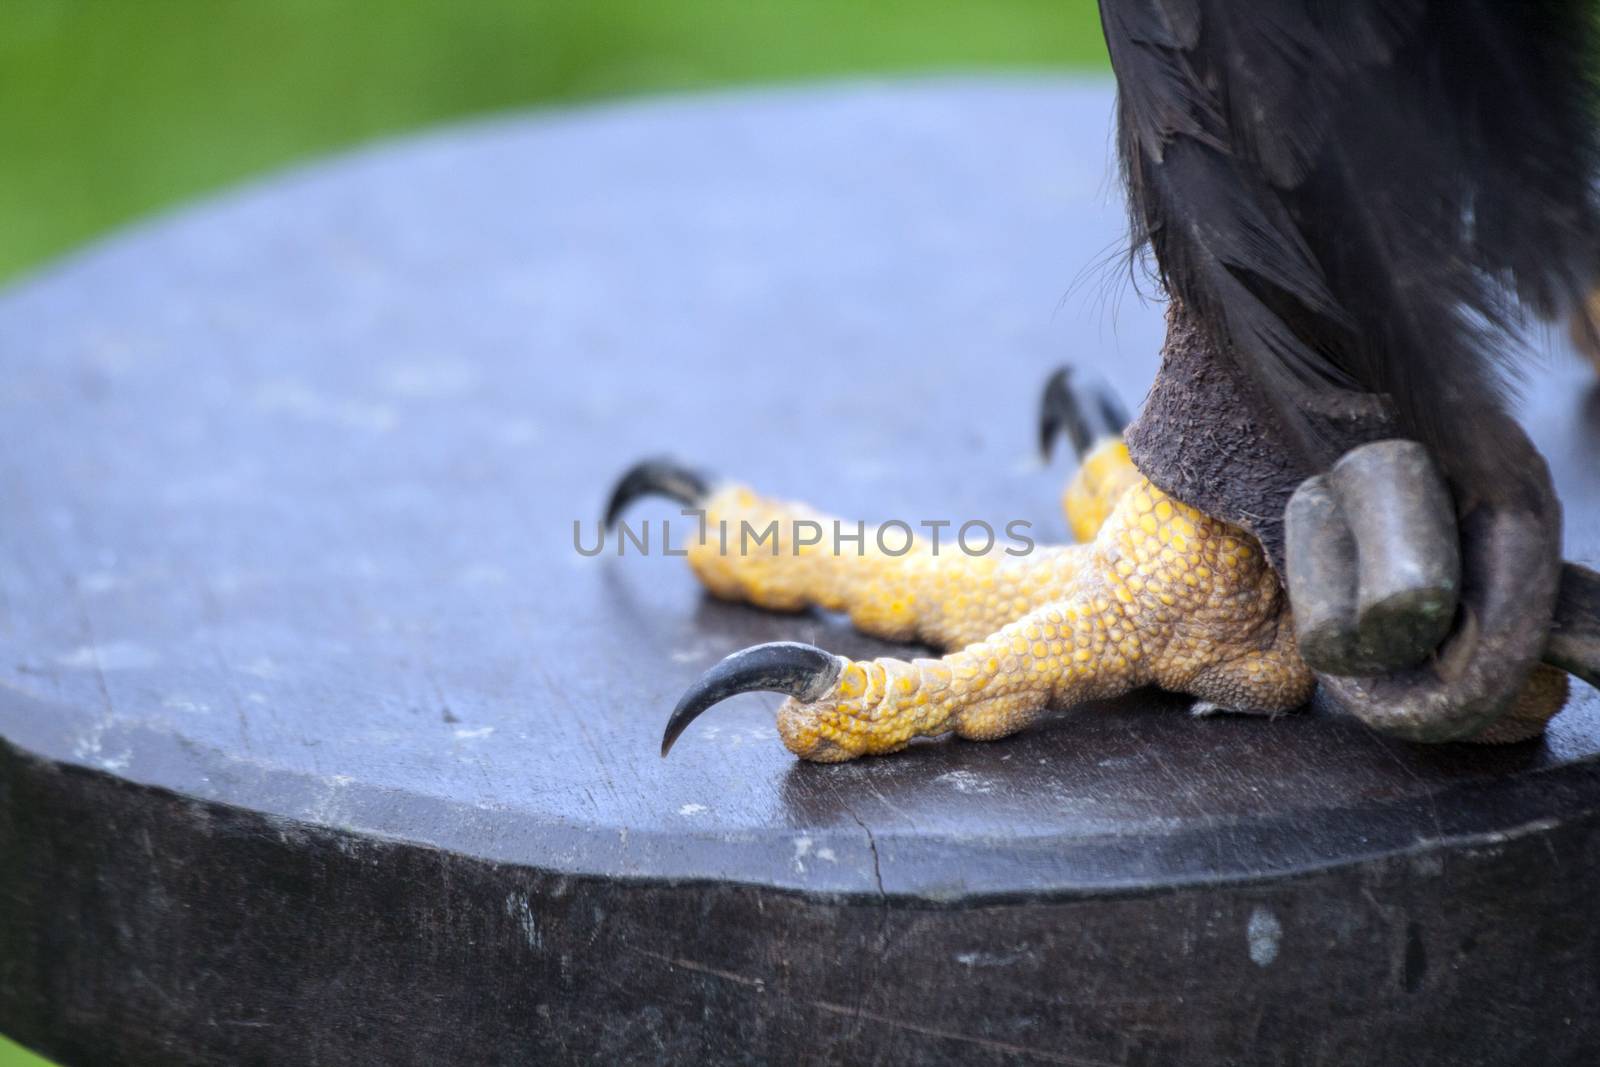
(1105, 474)
(947, 599)
(1163, 595)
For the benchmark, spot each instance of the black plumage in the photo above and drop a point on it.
(1364, 196)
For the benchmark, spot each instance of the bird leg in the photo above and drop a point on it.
(1414, 625)
(1163, 595)
(891, 583)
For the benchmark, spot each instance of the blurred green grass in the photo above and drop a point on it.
(14, 1055)
(111, 109)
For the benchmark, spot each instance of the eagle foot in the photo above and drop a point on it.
(1159, 594)
(1397, 621)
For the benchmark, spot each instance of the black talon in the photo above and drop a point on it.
(805, 672)
(1086, 409)
(658, 477)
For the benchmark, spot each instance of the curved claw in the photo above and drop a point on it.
(656, 477)
(1083, 407)
(804, 672)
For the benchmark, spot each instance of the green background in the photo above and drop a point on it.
(112, 109)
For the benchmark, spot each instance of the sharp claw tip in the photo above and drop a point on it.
(1047, 438)
(788, 667)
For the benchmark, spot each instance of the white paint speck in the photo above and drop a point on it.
(88, 747)
(482, 574)
(429, 380)
(802, 849)
(111, 656)
(692, 809)
(518, 908)
(472, 733)
(865, 470)
(328, 808)
(261, 667)
(300, 401)
(989, 959)
(695, 653)
(827, 855)
(99, 582)
(965, 782)
(1263, 932)
(517, 432)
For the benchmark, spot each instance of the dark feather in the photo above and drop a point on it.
(1364, 195)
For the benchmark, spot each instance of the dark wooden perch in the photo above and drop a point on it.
(322, 743)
